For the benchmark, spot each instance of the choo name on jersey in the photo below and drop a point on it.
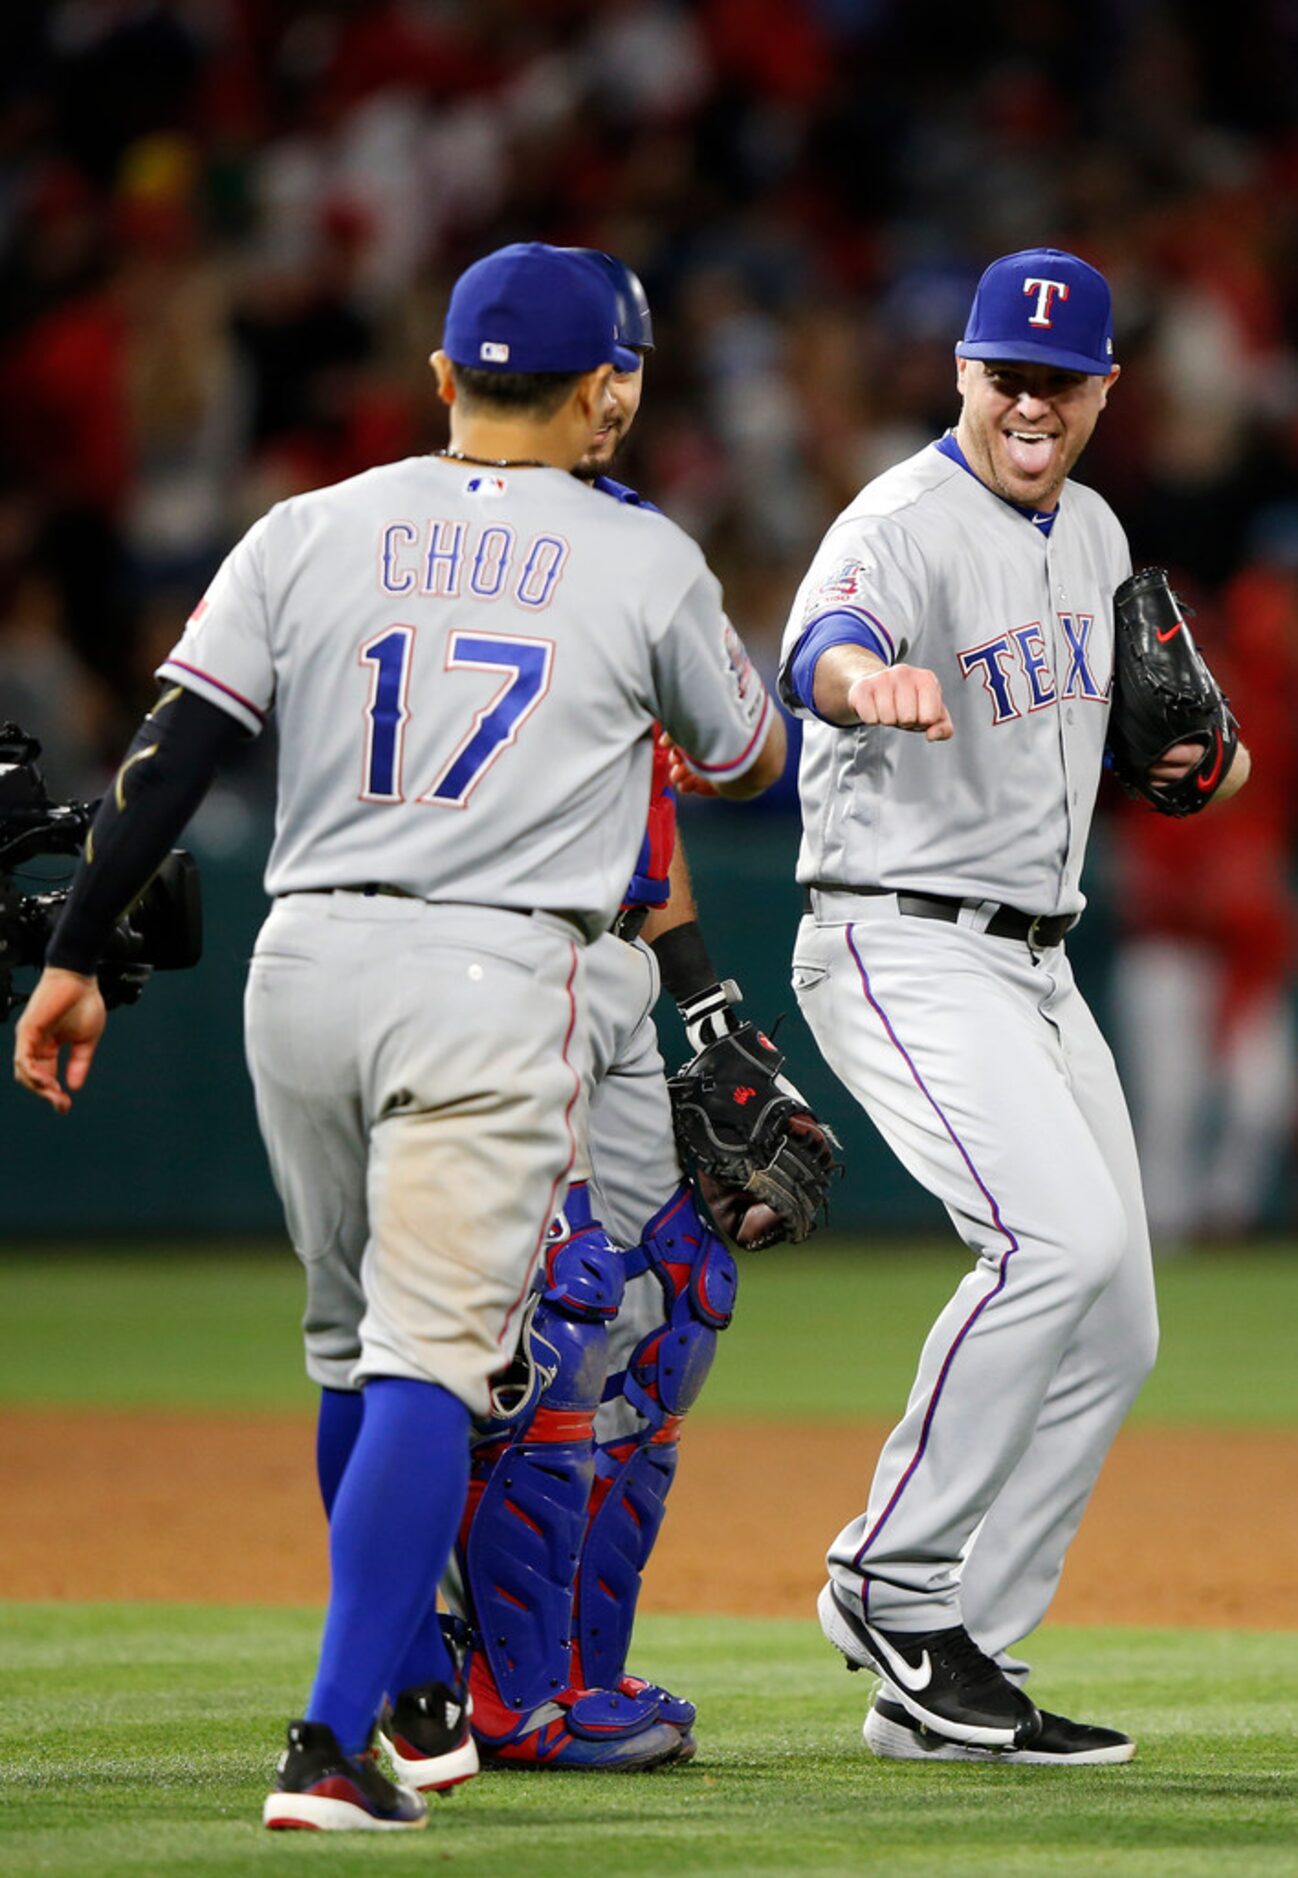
(1018, 673)
(451, 560)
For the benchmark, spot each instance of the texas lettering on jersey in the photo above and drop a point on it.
(1016, 671)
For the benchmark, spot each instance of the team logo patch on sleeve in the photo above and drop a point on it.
(846, 586)
(747, 683)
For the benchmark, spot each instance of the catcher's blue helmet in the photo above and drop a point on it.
(635, 327)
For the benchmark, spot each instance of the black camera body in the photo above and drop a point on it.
(162, 931)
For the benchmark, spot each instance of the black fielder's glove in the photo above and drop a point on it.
(1164, 694)
(762, 1161)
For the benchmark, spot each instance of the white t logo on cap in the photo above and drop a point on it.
(497, 352)
(1045, 291)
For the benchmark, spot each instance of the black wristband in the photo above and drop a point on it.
(683, 960)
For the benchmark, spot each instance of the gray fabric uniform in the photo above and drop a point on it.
(634, 1166)
(466, 667)
(976, 1056)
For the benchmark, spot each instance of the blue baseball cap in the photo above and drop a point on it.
(533, 308)
(1044, 306)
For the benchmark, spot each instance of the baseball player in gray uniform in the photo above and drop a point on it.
(467, 655)
(966, 597)
(549, 1679)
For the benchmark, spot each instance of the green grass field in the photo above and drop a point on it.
(138, 1739)
(828, 1332)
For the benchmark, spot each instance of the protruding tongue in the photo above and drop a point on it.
(1031, 458)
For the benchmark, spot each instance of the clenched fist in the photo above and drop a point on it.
(907, 697)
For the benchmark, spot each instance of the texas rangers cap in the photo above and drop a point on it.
(533, 308)
(1042, 305)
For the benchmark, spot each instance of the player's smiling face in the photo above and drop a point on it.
(621, 402)
(1024, 425)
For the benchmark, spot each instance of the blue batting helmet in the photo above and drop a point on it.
(635, 327)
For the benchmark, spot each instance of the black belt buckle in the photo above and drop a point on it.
(1047, 929)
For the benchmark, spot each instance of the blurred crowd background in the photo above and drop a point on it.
(227, 233)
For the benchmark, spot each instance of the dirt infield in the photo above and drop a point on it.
(1189, 1527)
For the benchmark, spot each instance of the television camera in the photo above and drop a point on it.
(162, 930)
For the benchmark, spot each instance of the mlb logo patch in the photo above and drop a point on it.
(490, 486)
(494, 352)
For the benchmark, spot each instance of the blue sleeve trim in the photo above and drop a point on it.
(843, 627)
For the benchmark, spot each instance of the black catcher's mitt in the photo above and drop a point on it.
(762, 1161)
(1163, 693)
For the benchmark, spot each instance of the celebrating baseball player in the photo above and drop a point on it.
(978, 600)
(623, 1330)
(467, 655)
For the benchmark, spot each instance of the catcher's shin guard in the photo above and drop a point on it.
(633, 1475)
(532, 1467)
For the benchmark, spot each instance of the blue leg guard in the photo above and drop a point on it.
(633, 1476)
(532, 1466)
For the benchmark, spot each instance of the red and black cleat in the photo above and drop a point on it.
(318, 1788)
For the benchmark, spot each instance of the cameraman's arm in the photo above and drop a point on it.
(165, 775)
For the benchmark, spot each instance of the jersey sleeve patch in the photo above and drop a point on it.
(846, 585)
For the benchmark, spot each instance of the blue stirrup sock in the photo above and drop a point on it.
(427, 1658)
(391, 1531)
(336, 1429)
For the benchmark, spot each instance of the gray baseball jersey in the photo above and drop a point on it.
(465, 666)
(1018, 626)
(975, 1054)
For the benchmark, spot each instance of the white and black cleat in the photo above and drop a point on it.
(940, 1677)
(893, 1735)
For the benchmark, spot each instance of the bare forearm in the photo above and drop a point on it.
(1237, 775)
(837, 670)
(680, 907)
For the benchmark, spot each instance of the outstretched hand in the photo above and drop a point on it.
(66, 1010)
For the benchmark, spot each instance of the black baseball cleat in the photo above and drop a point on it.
(893, 1735)
(941, 1677)
(318, 1788)
(428, 1738)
